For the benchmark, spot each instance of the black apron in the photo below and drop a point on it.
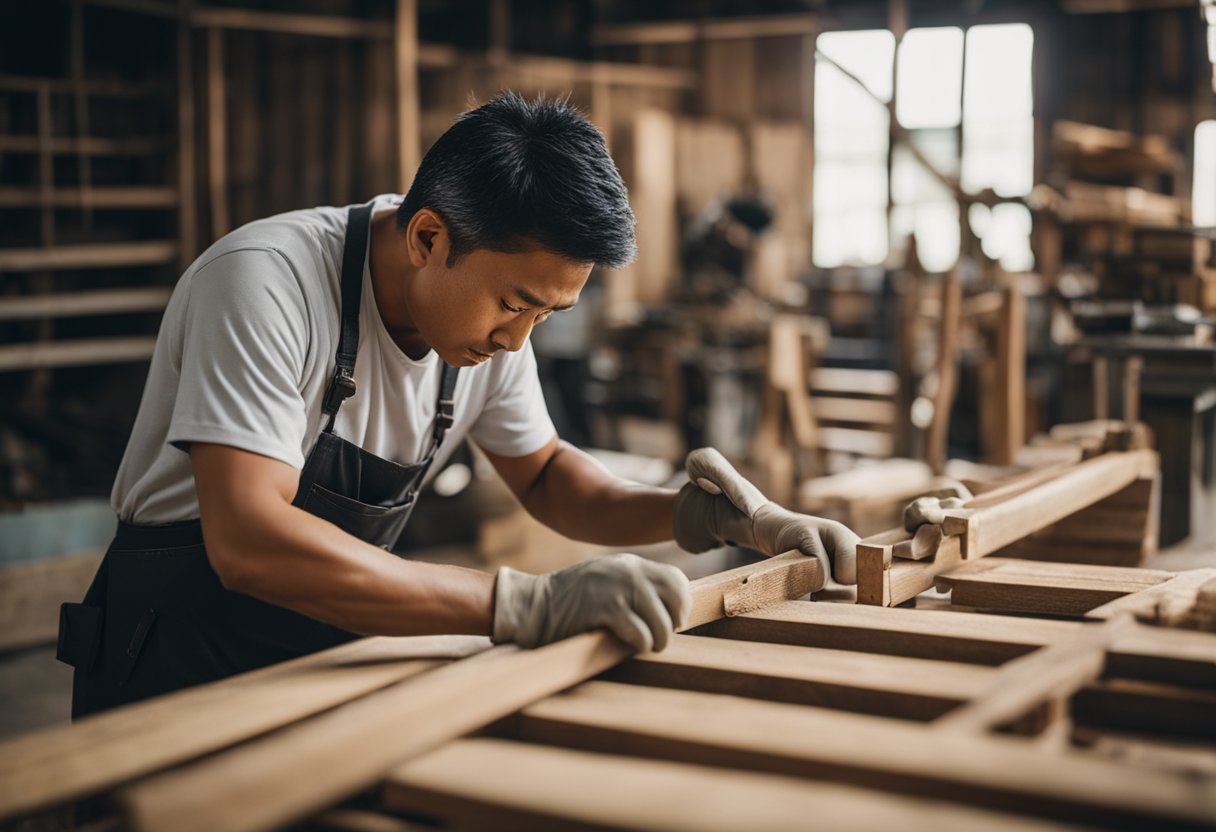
(157, 619)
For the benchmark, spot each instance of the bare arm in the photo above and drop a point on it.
(261, 545)
(572, 493)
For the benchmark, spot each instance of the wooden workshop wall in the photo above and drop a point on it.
(1145, 72)
(306, 121)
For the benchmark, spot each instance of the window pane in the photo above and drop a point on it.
(998, 71)
(1203, 207)
(1007, 237)
(930, 78)
(842, 185)
(998, 155)
(937, 235)
(867, 54)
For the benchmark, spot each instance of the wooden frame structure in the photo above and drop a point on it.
(771, 711)
(894, 566)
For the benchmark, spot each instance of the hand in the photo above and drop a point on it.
(642, 602)
(720, 507)
(929, 508)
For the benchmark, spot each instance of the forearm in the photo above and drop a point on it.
(296, 560)
(580, 498)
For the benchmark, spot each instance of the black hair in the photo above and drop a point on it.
(514, 172)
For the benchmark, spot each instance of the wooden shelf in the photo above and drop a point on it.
(77, 353)
(114, 89)
(73, 304)
(107, 197)
(65, 145)
(95, 256)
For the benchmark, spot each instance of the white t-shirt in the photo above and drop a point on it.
(245, 353)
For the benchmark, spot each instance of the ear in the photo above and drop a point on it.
(426, 238)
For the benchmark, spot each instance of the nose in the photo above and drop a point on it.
(513, 335)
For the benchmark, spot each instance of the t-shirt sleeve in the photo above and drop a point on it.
(515, 420)
(243, 349)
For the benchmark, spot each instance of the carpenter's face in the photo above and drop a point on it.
(488, 301)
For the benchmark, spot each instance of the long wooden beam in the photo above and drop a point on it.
(52, 767)
(499, 784)
(886, 580)
(1147, 653)
(892, 755)
(920, 689)
(1012, 584)
(288, 776)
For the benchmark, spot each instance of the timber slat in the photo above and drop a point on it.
(498, 784)
(69, 304)
(910, 688)
(51, 767)
(95, 256)
(876, 752)
(75, 353)
(1042, 586)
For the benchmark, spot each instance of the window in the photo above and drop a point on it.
(993, 103)
(1203, 191)
(850, 147)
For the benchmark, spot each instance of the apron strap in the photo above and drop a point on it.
(354, 255)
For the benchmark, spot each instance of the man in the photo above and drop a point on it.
(313, 368)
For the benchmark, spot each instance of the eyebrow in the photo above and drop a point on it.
(533, 300)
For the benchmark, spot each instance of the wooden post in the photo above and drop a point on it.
(186, 216)
(405, 43)
(1011, 377)
(217, 134)
(943, 399)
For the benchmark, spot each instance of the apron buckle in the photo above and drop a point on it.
(341, 388)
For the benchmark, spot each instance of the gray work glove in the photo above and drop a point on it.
(642, 602)
(720, 507)
(929, 507)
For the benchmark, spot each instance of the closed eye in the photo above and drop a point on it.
(511, 308)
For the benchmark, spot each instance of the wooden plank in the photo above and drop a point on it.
(1052, 672)
(69, 304)
(85, 146)
(93, 256)
(865, 411)
(217, 135)
(856, 441)
(312, 25)
(186, 197)
(48, 768)
(895, 756)
(924, 634)
(947, 369)
(1041, 586)
(75, 353)
(30, 595)
(405, 62)
(885, 581)
(1145, 653)
(1162, 601)
(1011, 378)
(498, 784)
(267, 784)
(920, 689)
(857, 382)
(125, 196)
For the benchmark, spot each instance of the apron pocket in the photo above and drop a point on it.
(379, 525)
